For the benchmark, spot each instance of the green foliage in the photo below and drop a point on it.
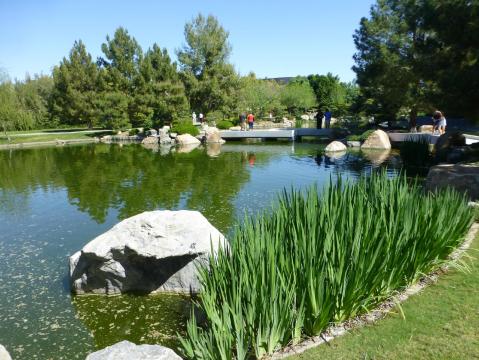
(185, 127)
(321, 259)
(332, 94)
(123, 56)
(75, 88)
(224, 124)
(34, 95)
(450, 53)
(164, 91)
(360, 137)
(113, 109)
(12, 115)
(298, 96)
(261, 97)
(414, 55)
(210, 80)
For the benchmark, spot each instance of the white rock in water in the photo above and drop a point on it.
(156, 251)
(187, 139)
(126, 350)
(4, 355)
(335, 146)
(377, 140)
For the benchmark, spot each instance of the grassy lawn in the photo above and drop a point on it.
(49, 137)
(440, 323)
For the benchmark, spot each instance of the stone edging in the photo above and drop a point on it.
(382, 310)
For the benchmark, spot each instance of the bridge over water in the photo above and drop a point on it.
(291, 134)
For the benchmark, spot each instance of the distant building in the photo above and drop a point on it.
(281, 80)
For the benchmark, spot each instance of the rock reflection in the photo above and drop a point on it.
(376, 157)
(213, 150)
(333, 155)
(184, 149)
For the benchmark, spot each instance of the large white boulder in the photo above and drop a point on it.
(126, 350)
(150, 140)
(4, 355)
(377, 140)
(335, 146)
(187, 139)
(156, 251)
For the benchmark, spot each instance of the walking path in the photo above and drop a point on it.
(44, 133)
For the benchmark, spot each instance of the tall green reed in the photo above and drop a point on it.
(318, 259)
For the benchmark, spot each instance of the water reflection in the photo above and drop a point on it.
(376, 157)
(54, 200)
(139, 319)
(130, 179)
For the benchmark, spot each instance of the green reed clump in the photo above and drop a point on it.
(318, 259)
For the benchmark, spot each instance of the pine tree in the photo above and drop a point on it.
(75, 88)
(210, 80)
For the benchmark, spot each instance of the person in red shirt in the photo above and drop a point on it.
(250, 121)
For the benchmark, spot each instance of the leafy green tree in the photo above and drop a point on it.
(12, 115)
(35, 96)
(259, 96)
(211, 82)
(333, 94)
(75, 88)
(298, 96)
(388, 65)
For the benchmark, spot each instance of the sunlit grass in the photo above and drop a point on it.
(319, 259)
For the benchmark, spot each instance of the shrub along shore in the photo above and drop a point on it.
(319, 259)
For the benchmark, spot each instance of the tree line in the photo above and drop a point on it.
(412, 56)
(415, 56)
(127, 87)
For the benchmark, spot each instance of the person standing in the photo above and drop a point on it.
(193, 116)
(327, 119)
(201, 118)
(250, 121)
(440, 122)
(319, 119)
(242, 119)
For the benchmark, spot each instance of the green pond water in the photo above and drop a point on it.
(55, 200)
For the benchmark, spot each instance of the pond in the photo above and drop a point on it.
(54, 200)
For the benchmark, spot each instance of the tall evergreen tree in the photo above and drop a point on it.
(123, 56)
(451, 50)
(75, 88)
(388, 65)
(164, 92)
(210, 80)
(121, 77)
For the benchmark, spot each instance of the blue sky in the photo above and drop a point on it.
(270, 38)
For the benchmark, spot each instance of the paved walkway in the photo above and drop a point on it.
(58, 133)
